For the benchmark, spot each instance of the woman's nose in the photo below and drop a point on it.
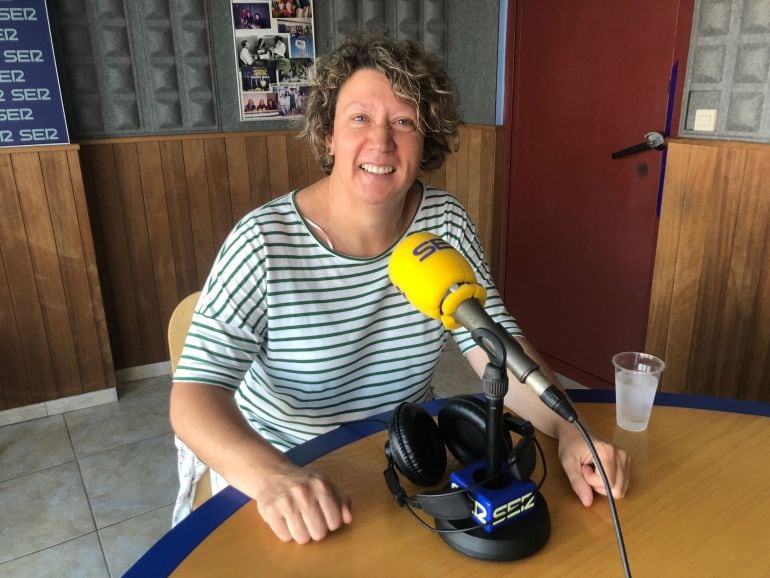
(381, 134)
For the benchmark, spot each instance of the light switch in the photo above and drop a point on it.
(705, 119)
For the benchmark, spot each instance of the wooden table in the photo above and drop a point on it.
(699, 505)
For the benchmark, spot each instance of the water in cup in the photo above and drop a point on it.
(636, 381)
(635, 394)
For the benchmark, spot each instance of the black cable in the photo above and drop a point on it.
(514, 459)
(610, 499)
(545, 465)
(438, 530)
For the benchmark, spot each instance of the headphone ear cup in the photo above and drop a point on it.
(524, 458)
(463, 425)
(415, 445)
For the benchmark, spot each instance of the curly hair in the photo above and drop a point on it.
(415, 76)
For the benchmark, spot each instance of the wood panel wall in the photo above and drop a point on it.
(162, 206)
(710, 307)
(53, 335)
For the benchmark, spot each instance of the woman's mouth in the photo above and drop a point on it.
(377, 169)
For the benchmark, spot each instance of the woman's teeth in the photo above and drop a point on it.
(377, 170)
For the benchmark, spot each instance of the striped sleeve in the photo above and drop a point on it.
(224, 337)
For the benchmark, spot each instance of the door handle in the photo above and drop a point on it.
(653, 140)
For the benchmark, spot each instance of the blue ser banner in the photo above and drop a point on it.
(31, 109)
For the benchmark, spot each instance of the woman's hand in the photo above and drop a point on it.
(297, 503)
(300, 504)
(578, 464)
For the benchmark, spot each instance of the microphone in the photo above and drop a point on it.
(440, 283)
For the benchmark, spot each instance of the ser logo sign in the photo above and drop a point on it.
(17, 14)
(505, 511)
(427, 248)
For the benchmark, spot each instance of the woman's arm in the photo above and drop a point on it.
(297, 503)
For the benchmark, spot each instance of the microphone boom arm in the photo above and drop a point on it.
(471, 315)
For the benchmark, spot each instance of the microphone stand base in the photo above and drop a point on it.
(516, 540)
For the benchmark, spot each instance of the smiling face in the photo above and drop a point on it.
(376, 146)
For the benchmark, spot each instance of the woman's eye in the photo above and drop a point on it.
(359, 118)
(404, 124)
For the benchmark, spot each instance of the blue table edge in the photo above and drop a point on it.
(166, 555)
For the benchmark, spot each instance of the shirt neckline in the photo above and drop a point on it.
(387, 252)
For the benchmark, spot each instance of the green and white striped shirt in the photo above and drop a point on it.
(310, 338)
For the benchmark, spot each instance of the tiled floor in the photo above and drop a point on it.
(86, 493)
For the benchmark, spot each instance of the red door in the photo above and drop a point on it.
(586, 79)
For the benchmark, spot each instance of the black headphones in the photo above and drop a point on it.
(416, 447)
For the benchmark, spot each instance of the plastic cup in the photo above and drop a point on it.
(637, 376)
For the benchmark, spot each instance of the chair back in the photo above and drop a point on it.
(179, 325)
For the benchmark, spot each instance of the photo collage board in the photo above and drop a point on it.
(274, 49)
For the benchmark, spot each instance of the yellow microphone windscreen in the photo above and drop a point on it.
(433, 276)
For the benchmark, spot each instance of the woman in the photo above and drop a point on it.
(298, 324)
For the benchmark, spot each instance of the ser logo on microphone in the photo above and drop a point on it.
(427, 248)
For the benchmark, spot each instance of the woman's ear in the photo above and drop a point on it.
(328, 141)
